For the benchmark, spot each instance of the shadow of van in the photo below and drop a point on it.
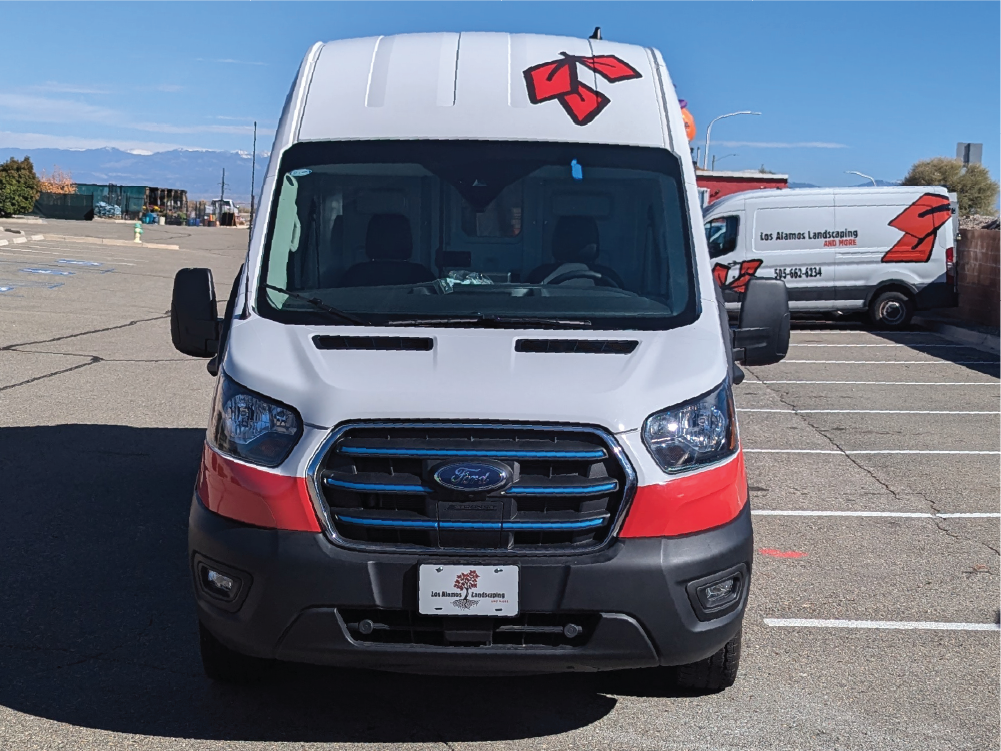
(98, 626)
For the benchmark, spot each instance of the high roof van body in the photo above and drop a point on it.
(887, 250)
(474, 409)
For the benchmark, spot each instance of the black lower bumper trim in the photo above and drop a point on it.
(320, 635)
(634, 591)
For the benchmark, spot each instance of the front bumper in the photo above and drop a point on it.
(298, 584)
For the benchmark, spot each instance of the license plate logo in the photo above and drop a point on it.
(468, 590)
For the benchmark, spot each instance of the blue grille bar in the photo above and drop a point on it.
(605, 487)
(366, 487)
(417, 453)
(503, 525)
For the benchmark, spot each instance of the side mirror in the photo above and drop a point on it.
(762, 335)
(194, 321)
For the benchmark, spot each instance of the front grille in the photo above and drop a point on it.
(373, 626)
(565, 488)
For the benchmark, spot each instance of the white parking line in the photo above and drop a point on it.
(995, 384)
(867, 451)
(812, 332)
(894, 514)
(897, 361)
(868, 411)
(910, 346)
(918, 625)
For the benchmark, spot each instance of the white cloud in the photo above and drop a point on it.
(782, 144)
(51, 110)
(68, 88)
(41, 109)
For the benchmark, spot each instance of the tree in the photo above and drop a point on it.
(19, 186)
(977, 192)
(57, 182)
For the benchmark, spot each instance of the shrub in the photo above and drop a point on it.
(19, 187)
(57, 182)
(977, 192)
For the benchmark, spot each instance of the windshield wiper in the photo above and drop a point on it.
(318, 303)
(495, 321)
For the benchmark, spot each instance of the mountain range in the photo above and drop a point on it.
(198, 172)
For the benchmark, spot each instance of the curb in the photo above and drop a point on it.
(104, 241)
(961, 334)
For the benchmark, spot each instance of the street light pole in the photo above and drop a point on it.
(709, 131)
(862, 174)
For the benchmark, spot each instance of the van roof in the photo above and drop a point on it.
(475, 86)
(789, 194)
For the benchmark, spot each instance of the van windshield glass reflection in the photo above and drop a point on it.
(430, 232)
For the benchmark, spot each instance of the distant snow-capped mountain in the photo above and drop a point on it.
(198, 172)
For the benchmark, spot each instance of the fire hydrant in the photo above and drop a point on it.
(139, 232)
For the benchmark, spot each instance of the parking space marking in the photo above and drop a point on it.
(867, 411)
(896, 361)
(863, 451)
(995, 384)
(917, 625)
(816, 331)
(864, 514)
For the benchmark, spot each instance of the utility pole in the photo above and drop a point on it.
(222, 195)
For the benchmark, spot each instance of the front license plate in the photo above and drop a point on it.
(468, 590)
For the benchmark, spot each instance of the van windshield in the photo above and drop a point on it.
(397, 233)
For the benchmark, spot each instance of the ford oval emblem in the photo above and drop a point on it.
(473, 477)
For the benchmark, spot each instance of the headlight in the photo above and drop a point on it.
(698, 432)
(251, 427)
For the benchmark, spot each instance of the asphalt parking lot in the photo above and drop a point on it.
(873, 461)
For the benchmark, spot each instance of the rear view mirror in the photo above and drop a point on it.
(194, 321)
(762, 335)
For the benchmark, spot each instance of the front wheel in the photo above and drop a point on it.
(891, 310)
(715, 672)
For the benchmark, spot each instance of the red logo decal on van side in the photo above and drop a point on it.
(558, 79)
(735, 276)
(920, 223)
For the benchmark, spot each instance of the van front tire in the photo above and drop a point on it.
(891, 310)
(225, 665)
(714, 673)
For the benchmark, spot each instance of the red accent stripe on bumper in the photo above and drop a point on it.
(255, 496)
(687, 504)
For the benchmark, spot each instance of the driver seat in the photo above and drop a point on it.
(575, 243)
(388, 245)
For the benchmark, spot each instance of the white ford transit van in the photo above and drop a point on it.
(474, 408)
(890, 251)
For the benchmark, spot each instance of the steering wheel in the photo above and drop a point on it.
(599, 279)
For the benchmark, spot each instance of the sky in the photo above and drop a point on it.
(860, 86)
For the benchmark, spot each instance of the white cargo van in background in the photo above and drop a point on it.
(890, 251)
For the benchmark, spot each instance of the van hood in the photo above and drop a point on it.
(476, 374)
